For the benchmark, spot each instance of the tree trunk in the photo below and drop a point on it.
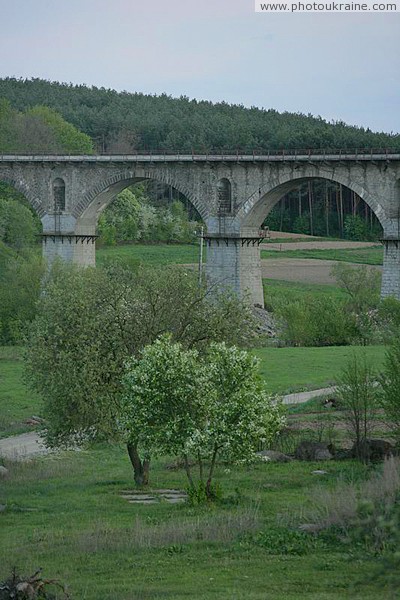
(341, 210)
(310, 207)
(283, 202)
(211, 473)
(140, 469)
(188, 472)
(327, 208)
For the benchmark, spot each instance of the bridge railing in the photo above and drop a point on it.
(218, 153)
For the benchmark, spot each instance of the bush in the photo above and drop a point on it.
(390, 387)
(131, 218)
(20, 285)
(317, 321)
(286, 541)
(355, 228)
(388, 316)
(356, 391)
(361, 511)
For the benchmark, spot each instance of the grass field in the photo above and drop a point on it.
(275, 290)
(65, 514)
(187, 254)
(284, 370)
(294, 369)
(158, 254)
(17, 403)
(365, 256)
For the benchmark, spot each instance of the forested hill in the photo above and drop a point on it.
(123, 122)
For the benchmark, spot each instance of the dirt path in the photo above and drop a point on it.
(21, 447)
(30, 445)
(303, 270)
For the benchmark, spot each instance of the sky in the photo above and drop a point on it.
(342, 66)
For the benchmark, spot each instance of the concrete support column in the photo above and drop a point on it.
(233, 262)
(391, 267)
(62, 238)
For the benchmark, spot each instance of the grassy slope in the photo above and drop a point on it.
(367, 256)
(65, 514)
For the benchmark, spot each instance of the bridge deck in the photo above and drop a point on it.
(163, 158)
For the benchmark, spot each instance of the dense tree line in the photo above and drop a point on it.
(325, 208)
(123, 122)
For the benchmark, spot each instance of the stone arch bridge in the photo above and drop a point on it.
(232, 193)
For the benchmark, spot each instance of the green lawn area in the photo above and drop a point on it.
(294, 369)
(65, 514)
(161, 254)
(365, 256)
(17, 403)
(284, 370)
(275, 290)
(157, 254)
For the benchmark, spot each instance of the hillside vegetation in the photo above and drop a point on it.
(123, 122)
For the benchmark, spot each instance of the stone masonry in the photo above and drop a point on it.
(233, 194)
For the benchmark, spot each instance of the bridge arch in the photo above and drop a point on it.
(102, 194)
(256, 208)
(26, 190)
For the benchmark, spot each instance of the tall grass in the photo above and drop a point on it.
(222, 528)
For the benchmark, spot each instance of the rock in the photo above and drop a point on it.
(32, 422)
(330, 402)
(343, 454)
(372, 450)
(38, 419)
(3, 472)
(265, 322)
(273, 456)
(313, 451)
(2, 508)
(319, 472)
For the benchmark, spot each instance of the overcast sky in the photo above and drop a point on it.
(343, 66)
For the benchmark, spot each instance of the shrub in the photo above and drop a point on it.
(356, 391)
(390, 386)
(360, 511)
(317, 321)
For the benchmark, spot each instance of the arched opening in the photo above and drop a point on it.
(320, 207)
(139, 210)
(59, 195)
(224, 196)
(254, 211)
(324, 208)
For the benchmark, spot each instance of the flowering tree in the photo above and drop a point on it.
(91, 321)
(179, 403)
